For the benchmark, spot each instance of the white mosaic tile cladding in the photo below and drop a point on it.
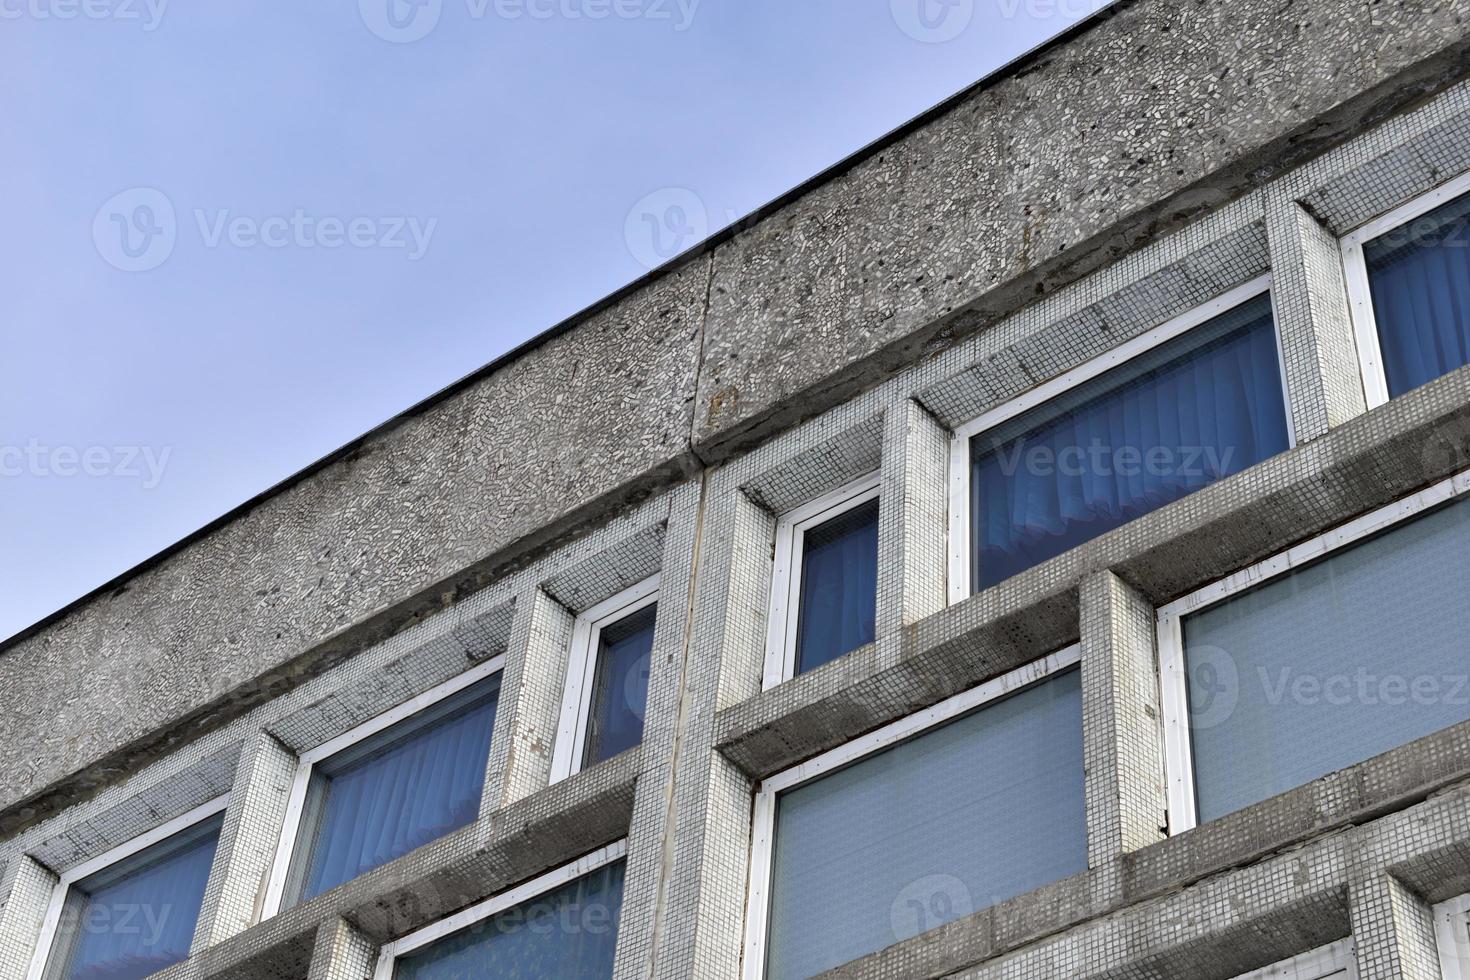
(342, 953)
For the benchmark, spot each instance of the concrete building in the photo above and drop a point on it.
(1096, 688)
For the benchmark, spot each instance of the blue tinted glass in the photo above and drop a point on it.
(139, 917)
(1330, 664)
(839, 587)
(1419, 276)
(416, 781)
(976, 812)
(1198, 408)
(620, 688)
(566, 934)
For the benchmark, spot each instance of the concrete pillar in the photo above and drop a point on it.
(912, 518)
(1122, 737)
(247, 841)
(649, 863)
(342, 953)
(25, 892)
(1393, 930)
(1309, 292)
(530, 701)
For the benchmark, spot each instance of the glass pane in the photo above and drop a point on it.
(138, 916)
(620, 688)
(410, 784)
(1419, 276)
(981, 810)
(1201, 407)
(567, 933)
(839, 587)
(1331, 664)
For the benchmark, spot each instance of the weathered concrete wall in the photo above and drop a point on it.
(1159, 110)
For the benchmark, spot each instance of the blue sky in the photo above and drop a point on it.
(242, 234)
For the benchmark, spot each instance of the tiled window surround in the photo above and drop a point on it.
(394, 783)
(133, 910)
(1368, 876)
(1317, 658)
(605, 697)
(824, 590)
(1335, 962)
(561, 924)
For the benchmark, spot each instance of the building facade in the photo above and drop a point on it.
(1033, 549)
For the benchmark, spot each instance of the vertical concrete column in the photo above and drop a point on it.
(703, 909)
(530, 701)
(25, 892)
(1309, 292)
(912, 518)
(1393, 930)
(247, 841)
(650, 835)
(341, 953)
(1122, 737)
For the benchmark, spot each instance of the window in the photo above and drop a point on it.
(132, 911)
(824, 592)
(1408, 277)
(375, 793)
(1335, 962)
(562, 924)
(1172, 411)
(606, 694)
(1452, 932)
(1342, 648)
(972, 802)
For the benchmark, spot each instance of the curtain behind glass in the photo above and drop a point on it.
(135, 921)
(566, 934)
(1332, 664)
(1419, 276)
(955, 820)
(620, 688)
(401, 790)
(839, 587)
(1201, 407)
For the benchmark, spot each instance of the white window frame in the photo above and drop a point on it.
(576, 702)
(1452, 933)
(308, 760)
(390, 953)
(764, 816)
(959, 453)
(1338, 961)
(52, 921)
(1360, 298)
(1173, 682)
(785, 606)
